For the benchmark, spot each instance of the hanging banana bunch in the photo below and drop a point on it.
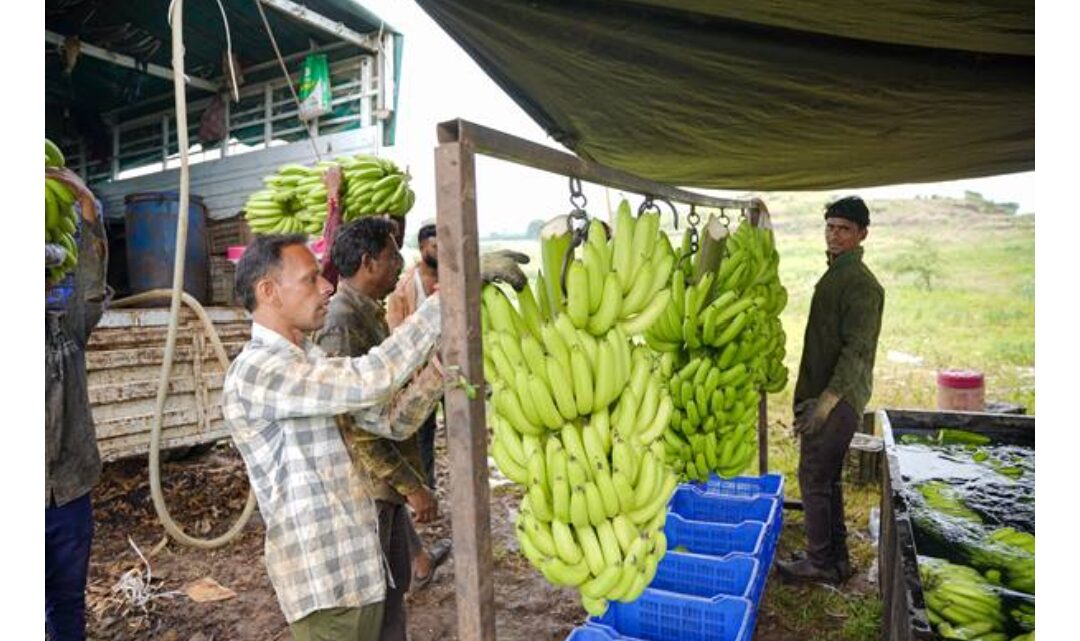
(726, 344)
(578, 411)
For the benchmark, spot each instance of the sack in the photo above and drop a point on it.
(212, 123)
(315, 87)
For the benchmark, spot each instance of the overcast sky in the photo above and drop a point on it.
(440, 82)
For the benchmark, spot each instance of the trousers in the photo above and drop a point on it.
(69, 530)
(821, 463)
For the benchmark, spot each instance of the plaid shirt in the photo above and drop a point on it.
(322, 545)
(355, 324)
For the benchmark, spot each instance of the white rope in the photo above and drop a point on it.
(288, 78)
(136, 587)
(228, 47)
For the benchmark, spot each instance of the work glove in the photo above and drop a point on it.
(815, 412)
(54, 255)
(504, 265)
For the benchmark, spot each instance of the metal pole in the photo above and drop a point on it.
(459, 286)
(754, 216)
(763, 434)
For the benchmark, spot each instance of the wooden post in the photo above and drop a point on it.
(459, 286)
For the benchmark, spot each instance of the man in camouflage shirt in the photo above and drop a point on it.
(835, 381)
(72, 460)
(366, 255)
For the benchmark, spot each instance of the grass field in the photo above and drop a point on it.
(959, 284)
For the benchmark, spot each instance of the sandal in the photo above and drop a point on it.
(438, 555)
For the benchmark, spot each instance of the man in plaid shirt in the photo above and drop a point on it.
(281, 396)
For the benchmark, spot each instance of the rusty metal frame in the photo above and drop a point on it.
(459, 283)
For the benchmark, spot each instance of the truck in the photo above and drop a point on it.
(110, 108)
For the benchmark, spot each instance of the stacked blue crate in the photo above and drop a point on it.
(695, 504)
(722, 537)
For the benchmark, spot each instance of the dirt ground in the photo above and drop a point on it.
(207, 490)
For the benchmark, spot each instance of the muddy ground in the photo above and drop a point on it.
(207, 490)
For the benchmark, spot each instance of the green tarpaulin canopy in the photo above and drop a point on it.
(768, 95)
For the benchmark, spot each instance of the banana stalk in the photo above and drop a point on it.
(555, 239)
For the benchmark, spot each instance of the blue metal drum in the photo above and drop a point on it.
(151, 243)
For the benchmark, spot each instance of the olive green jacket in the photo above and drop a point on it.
(842, 333)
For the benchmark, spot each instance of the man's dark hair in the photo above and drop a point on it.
(363, 237)
(427, 231)
(851, 208)
(261, 257)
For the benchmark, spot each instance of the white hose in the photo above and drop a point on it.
(176, 19)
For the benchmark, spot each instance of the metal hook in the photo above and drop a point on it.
(692, 220)
(577, 196)
(578, 236)
(674, 212)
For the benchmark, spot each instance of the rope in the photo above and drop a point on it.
(177, 295)
(228, 47)
(288, 78)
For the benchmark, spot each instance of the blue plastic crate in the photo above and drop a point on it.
(664, 616)
(710, 576)
(590, 632)
(770, 485)
(696, 504)
(715, 539)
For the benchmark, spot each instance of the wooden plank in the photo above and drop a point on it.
(139, 445)
(459, 286)
(494, 143)
(130, 63)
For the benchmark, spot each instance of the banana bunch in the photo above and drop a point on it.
(294, 201)
(620, 281)
(722, 333)
(1004, 555)
(947, 499)
(579, 411)
(295, 197)
(713, 427)
(374, 186)
(1010, 554)
(1023, 617)
(960, 602)
(734, 309)
(61, 221)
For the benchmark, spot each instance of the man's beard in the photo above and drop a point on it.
(431, 261)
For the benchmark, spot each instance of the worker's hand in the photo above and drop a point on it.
(504, 265)
(332, 181)
(812, 420)
(425, 507)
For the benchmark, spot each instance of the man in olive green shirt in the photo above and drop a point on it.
(834, 385)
